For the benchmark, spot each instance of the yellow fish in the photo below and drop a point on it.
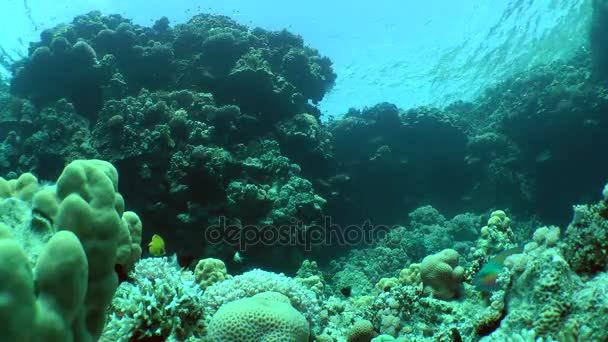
(156, 247)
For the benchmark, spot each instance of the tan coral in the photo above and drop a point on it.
(45, 202)
(5, 188)
(361, 331)
(47, 306)
(441, 273)
(210, 271)
(385, 284)
(25, 186)
(129, 241)
(74, 278)
(499, 219)
(265, 317)
(313, 282)
(410, 275)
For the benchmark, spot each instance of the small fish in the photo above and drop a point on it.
(156, 247)
(238, 258)
(121, 273)
(186, 260)
(485, 279)
(346, 291)
(543, 156)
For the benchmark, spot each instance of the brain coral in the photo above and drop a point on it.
(361, 331)
(265, 317)
(257, 281)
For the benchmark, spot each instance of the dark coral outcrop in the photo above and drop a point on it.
(271, 75)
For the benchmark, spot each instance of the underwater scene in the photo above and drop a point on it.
(330, 171)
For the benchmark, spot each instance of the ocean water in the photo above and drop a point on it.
(408, 53)
(344, 171)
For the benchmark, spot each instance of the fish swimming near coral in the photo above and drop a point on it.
(186, 260)
(238, 258)
(485, 279)
(156, 247)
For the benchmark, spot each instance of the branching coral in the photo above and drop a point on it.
(162, 301)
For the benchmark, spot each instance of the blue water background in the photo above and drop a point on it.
(407, 52)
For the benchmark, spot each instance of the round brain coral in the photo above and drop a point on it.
(362, 331)
(257, 281)
(265, 317)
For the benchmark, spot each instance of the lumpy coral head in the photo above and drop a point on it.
(441, 273)
(265, 317)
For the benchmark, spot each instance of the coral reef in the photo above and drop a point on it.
(97, 57)
(585, 243)
(266, 316)
(441, 273)
(257, 281)
(384, 216)
(162, 301)
(598, 40)
(74, 258)
(210, 271)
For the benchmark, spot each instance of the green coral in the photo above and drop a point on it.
(585, 245)
(162, 301)
(266, 316)
(65, 298)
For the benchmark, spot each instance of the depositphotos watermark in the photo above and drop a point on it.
(294, 234)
